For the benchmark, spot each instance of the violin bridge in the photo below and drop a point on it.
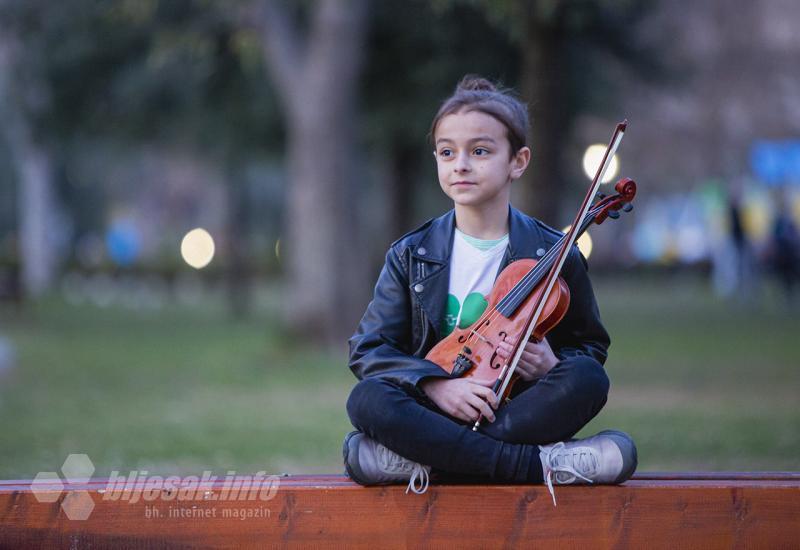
(481, 337)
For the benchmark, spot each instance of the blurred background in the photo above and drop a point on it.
(196, 196)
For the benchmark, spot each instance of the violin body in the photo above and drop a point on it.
(472, 352)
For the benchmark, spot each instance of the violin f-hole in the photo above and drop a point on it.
(496, 364)
(493, 363)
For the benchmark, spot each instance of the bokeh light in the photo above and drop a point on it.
(592, 159)
(584, 242)
(197, 248)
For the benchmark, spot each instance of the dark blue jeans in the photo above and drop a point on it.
(552, 409)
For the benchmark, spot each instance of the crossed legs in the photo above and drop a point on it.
(552, 409)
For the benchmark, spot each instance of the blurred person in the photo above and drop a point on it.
(412, 416)
(785, 250)
(743, 276)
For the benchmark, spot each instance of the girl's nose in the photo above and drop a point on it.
(462, 163)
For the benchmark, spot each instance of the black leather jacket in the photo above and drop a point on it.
(402, 322)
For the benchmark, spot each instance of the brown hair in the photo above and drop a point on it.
(475, 93)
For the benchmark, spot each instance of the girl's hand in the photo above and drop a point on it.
(462, 398)
(537, 359)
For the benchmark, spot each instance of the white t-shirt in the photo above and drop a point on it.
(473, 267)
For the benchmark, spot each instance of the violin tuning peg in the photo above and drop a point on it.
(613, 214)
(628, 207)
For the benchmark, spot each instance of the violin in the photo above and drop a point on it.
(529, 298)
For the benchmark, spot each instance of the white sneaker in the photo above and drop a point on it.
(606, 458)
(369, 463)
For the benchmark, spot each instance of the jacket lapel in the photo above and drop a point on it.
(431, 269)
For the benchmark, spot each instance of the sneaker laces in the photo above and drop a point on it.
(419, 476)
(562, 465)
(394, 463)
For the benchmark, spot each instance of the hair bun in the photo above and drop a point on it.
(473, 82)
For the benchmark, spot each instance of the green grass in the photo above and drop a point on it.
(180, 391)
(699, 383)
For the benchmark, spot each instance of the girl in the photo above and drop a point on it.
(410, 414)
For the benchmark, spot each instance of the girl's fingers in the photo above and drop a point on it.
(466, 412)
(488, 396)
(482, 407)
(533, 359)
(527, 370)
(525, 373)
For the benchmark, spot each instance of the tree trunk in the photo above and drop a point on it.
(542, 190)
(317, 81)
(36, 218)
(33, 167)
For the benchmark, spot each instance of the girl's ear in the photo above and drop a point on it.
(520, 162)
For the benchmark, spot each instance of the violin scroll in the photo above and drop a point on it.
(626, 188)
(610, 206)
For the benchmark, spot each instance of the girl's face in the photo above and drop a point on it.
(474, 161)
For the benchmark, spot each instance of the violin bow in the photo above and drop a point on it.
(510, 368)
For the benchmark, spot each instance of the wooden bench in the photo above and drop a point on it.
(687, 510)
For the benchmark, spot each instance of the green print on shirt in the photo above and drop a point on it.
(474, 306)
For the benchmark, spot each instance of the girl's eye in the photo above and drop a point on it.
(445, 153)
(481, 151)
